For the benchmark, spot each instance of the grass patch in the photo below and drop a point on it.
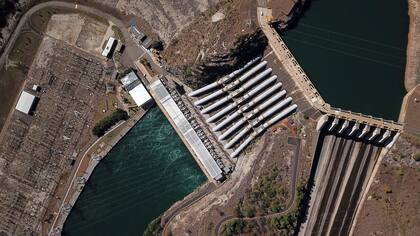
(25, 48)
(39, 20)
(10, 83)
(106, 123)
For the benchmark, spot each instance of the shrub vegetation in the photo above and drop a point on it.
(233, 227)
(416, 156)
(103, 125)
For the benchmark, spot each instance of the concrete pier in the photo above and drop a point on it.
(364, 131)
(375, 133)
(354, 129)
(333, 124)
(344, 126)
(385, 136)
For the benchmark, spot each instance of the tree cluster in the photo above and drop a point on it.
(103, 125)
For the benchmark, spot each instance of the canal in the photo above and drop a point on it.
(141, 177)
(354, 53)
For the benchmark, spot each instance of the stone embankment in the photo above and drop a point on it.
(91, 158)
(412, 75)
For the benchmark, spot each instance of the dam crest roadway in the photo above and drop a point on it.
(306, 86)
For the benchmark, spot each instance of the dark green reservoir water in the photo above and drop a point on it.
(354, 53)
(140, 178)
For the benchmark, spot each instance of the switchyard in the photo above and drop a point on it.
(39, 148)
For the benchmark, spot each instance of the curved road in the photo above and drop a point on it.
(131, 47)
(289, 206)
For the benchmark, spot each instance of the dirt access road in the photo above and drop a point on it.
(290, 205)
(132, 49)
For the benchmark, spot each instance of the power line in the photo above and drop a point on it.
(344, 53)
(347, 44)
(352, 37)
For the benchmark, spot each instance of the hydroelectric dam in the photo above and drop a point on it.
(350, 146)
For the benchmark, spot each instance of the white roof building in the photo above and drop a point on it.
(136, 88)
(198, 148)
(140, 95)
(108, 47)
(129, 78)
(25, 102)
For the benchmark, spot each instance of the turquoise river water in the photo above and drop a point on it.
(354, 53)
(140, 178)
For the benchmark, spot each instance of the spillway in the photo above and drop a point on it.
(342, 171)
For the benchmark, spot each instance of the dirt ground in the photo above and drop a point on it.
(65, 27)
(166, 17)
(410, 111)
(205, 39)
(80, 30)
(92, 35)
(393, 202)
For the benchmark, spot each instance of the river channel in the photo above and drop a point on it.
(141, 177)
(354, 53)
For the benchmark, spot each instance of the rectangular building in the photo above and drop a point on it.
(136, 89)
(191, 138)
(109, 47)
(25, 102)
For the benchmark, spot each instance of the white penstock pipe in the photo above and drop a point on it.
(223, 80)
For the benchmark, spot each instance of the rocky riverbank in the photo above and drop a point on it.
(412, 75)
(287, 12)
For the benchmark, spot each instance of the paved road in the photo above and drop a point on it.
(189, 202)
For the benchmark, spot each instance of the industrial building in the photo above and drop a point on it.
(136, 89)
(243, 104)
(107, 52)
(26, 102)
(187, 132)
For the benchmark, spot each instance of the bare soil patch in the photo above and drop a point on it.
(92, 35)
(393, 201)
(65, 27)
(205, 41)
